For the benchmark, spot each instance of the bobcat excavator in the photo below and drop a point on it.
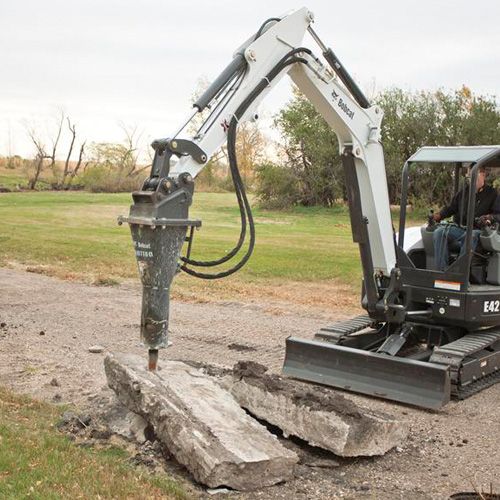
(427, 335)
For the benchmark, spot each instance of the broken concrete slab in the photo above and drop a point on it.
(121, 421)
(319, 415)
(201, 424)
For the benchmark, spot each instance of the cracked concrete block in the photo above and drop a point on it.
(201, 424)
(319, 415)
(120, 420)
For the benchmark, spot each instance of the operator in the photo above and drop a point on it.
(486, 211)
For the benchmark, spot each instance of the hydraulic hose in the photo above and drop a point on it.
(238, 183)
(264, 24)
(241, 239)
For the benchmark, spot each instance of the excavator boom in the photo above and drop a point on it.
(399, 350)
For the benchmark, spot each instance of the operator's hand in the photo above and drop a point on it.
(485, 220)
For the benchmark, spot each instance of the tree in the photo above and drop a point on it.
(311, 152)
(277, 187)
(411, 120)
(73, 173)
(113, 166)
(250, 146)
(72, 129)
(40, 156)
(41, 153)
(55, 141)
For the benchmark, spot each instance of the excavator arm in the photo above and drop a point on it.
(159, 219)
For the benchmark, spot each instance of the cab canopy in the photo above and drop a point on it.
(455, 154)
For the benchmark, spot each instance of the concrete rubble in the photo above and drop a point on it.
(201, 424)
(96, 349)
(316, 414)
(120, 421)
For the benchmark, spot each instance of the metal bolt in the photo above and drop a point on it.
(173, 144)
(357, 152)
(167, 184)
(251, 55)
(203, 157)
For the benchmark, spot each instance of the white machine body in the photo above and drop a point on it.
(355, 126)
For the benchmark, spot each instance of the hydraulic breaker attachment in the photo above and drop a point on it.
(159, 222)
(376, 374)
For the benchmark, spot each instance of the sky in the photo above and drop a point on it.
(136, 63)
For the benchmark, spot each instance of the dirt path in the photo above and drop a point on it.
(47, 326)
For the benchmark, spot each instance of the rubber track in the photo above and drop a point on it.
(452, 354)
(335, 332)
(475, 496)
(477, 386)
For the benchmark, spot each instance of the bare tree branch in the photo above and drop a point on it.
(131, 152)
(55, 141)
(72, 129)
(141, 169)
(40, 156)
(78, 163)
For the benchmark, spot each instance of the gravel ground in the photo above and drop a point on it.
(47, 327)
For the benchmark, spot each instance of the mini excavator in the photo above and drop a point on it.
(427, 335)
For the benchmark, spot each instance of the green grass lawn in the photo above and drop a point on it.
(37, 461)
(76, 235)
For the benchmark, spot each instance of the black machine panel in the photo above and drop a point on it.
(471, 310)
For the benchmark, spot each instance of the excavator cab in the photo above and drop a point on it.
(471, 278)
(444, 339)
(419, 242)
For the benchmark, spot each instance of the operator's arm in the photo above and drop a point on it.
(492, 207)
(496, 208)
(449, 210)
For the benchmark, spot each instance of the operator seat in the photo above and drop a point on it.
(490, 241)
(428, 241)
